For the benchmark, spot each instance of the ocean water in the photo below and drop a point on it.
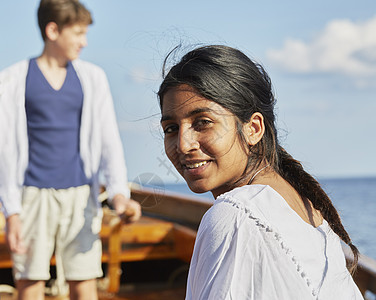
(355, 200)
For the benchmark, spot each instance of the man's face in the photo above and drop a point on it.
(70, 40)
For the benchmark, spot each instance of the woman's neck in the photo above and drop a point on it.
(302, 206)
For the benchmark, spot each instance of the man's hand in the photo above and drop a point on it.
(13, 234)
(128, 209)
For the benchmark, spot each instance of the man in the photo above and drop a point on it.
(57, 132)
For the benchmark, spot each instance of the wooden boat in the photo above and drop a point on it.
(149, 259)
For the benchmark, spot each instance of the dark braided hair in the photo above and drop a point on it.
(228, 77)
(307, 186)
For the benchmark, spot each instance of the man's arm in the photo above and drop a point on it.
(112, 157)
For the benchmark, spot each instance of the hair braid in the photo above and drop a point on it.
(307, 186)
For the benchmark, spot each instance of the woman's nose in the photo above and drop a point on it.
(187, 141)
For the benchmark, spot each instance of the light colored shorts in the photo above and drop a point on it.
(66, 221)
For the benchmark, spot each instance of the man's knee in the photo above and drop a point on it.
(30, 289)
(83, 290)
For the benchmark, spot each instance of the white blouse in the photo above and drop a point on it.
(252, 245)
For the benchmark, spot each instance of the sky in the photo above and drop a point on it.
(320, 55)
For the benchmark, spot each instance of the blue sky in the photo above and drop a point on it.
(321, 56)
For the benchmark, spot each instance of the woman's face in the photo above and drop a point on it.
(202, 142)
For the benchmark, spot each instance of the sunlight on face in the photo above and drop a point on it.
(202, 142)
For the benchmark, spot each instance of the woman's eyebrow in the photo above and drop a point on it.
(198, 111)
(189, 114)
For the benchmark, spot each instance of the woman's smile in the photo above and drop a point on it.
(195, 169)
(195, 165)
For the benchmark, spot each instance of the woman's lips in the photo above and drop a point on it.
(195, 165)
(195, 168)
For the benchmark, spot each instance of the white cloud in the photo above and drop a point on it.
(343, 47)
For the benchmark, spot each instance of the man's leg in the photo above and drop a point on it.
(83, 290)
(30, 290)
(79, 243)
(39, 217)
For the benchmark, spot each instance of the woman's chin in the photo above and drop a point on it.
(199, 189)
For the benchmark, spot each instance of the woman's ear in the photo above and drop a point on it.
(254, 129)
(52, 31)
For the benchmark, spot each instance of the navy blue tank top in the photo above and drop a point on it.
(53, 126)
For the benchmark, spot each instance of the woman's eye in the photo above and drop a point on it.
(202, 124)
(170, 129)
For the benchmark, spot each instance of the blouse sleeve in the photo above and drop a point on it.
(223, 263)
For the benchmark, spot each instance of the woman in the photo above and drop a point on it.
(272, 232)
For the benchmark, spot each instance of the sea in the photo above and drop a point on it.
(354, 199)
